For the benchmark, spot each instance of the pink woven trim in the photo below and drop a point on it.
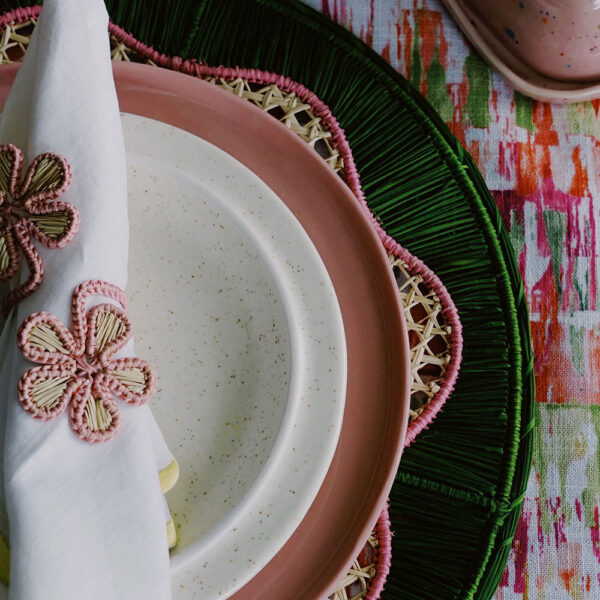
(44, 194)
(81, 294)
(19, 208)
(91, 348)
(19, 15)
(93, 388)
(81, 364)
(46, 373)
(123, 392)
(15, 171)
(383, 555)
(22, 233)
(451, 317)
(39, 355)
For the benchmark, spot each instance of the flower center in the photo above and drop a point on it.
(85, 367)
(6, 208)
(10, 211)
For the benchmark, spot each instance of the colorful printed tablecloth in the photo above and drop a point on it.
(542, 164)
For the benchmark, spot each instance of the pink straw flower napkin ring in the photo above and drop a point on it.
(28, 209)
(77, 369)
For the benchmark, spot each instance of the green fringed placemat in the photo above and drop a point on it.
(457, 497)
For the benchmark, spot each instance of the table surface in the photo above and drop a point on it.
(542, 164)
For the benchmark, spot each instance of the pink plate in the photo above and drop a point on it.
(359, 479)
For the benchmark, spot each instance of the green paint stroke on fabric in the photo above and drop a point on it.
(591, 496)
(556, 231)
(524, 112)
(583, 119)
(576, 341)
(437, 92)
(540, 461)
(478, 100)
(567, 445)
(581, 282)
(416, 66)
(517, 235)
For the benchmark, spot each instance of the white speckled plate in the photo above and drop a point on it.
(235, 308)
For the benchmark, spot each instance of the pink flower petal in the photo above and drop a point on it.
(44, 392)
(94, 415)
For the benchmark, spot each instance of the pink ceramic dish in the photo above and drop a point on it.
(357, 484)
(546, 49)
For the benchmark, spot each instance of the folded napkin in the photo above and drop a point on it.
(85, 520)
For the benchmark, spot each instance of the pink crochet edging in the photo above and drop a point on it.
(383, 555)
(81, 363)
(19, 15)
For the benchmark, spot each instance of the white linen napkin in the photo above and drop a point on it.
(86, 521)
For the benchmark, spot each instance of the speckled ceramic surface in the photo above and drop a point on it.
(546, 49)
(558, 38)
(237, 313)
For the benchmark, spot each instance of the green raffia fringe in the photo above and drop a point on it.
(458, 494)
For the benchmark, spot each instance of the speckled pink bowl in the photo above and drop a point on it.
(547, 49)
(558, 38)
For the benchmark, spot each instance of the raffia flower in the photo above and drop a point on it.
(77, 369)
(28, 209)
